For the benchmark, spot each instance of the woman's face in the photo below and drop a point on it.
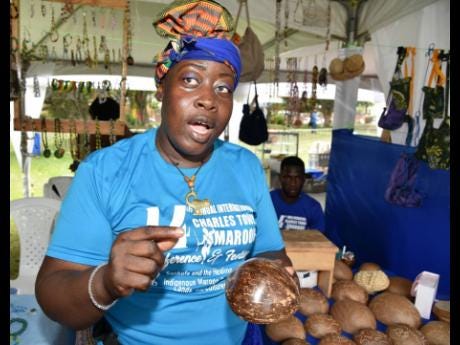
(197, 98)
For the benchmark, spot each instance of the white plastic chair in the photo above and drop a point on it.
(56, 187)
(34, 219)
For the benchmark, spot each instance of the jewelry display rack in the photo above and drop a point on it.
(25, 123)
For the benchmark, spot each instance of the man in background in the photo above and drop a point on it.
(295, 209)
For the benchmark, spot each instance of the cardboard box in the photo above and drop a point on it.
(424, 289)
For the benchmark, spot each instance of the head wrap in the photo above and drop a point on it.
(199, 30)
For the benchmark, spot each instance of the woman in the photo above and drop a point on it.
(167, 214)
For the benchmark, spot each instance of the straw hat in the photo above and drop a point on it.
(348, 68)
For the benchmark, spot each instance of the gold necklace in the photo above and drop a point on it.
(191, 198)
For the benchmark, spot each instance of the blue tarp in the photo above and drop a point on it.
(402, 240)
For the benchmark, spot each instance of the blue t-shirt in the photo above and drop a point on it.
(129, 185)
(305, 213)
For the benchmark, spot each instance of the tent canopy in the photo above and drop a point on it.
(305, 37)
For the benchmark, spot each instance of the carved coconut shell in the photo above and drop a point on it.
(335, 339)
(288, 328)
(369, 266)
(353, 316)
(342, 271)
(406, 335)
(349, 289)
(312, 302)
(262, 291)
(437, 332)
(295, 341)
(390, 309)
(400, 286)
(369, 336)
(372, 281)
(320, 325)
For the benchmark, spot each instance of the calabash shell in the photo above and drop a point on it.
(437, 332)
(312, 302)
(353, 316)
(261, 291)
(320, 325)
(291, 327)
(372, 281)
(400, 286)
(334, 339)
(342, 271)
(349, 289)
(369, 266)
(295, 341)
(405, 335)
(390, 309)
(369, 336)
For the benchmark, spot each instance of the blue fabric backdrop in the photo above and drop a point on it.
(402, 240)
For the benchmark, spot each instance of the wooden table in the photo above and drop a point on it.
(310, 250)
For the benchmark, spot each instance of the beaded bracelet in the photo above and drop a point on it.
(90, 291)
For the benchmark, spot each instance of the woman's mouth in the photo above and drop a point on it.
(201, 130)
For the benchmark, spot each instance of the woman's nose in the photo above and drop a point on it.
(207, 99)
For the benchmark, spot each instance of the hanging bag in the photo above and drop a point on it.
(253, 126)
(399, 96)
(433, 101)
(434, 145)
(251, 50)
(401, 189)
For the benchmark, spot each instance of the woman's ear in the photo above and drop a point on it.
(159, 93)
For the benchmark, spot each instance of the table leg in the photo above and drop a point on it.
(325, 282)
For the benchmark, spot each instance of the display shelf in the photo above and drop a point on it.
(88, 127)
(282, 143)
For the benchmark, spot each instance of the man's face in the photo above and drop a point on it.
(292, 179)
(197, 98)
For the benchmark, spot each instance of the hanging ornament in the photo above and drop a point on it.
(46, 150)
(58, 139)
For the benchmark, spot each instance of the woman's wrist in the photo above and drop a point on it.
(94, 297)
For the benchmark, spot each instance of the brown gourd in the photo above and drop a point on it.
(390, 309)
(353, 316)
(291, 327)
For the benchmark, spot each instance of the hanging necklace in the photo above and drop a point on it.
(191, 198)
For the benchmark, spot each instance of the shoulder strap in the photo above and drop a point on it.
(436, 70)
(245, 2)
(410, 51)
(446, 94)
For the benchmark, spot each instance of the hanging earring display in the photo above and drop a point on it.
(43, 9)
(58, 140)
(129, 59)
(36, 87)
(73, 140)
(314, 83)
(46, 150)
(54, 33)
(98, 135)
(112, 136)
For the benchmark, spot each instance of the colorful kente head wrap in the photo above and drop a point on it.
(199, 30)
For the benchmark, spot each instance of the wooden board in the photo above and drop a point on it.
(35, 125)
(307, 239)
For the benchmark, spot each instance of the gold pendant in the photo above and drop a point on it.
(196, 204)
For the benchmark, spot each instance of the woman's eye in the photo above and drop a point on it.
(224, 89)
(190, 81)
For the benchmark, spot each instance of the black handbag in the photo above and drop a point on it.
(253, 125)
